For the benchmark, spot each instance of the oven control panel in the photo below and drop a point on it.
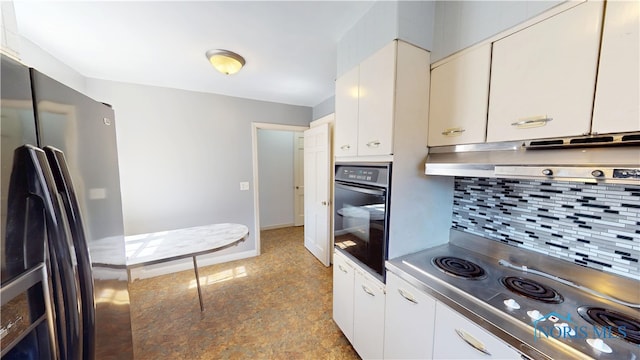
(364, 174)
(360, 174)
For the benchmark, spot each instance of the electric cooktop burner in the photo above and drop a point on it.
(613, 320)
(459, 267)
(532, 289)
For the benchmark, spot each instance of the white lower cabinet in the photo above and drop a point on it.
(456, 337)
(343, 281)
(368, 316)
(358, 307)
(409, 321)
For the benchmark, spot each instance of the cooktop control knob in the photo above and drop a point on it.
(597, 173)
(535, 315)
(547, 172)
(599, 345)
(512, 304)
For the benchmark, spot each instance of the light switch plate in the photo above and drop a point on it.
(244, 185)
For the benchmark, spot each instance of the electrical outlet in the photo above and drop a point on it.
(244, 185)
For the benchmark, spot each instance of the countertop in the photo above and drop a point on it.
(152, 248)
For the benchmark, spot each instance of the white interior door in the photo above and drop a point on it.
(298, 178)
(317, 170)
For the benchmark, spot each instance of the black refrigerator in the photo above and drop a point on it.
(64, 285)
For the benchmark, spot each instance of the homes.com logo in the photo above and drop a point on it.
(555, 326)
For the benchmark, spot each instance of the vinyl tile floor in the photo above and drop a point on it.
(274, 306)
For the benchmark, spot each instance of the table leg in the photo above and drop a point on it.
(195, 269)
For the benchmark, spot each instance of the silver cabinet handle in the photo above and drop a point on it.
(345, 147)
(475, 343)
(532, 122)
(453, 132)
(342, 269)
(407, 295)
(368, 291)
(373, 143)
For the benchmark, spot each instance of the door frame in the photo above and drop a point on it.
(298, 178)
(255, 126)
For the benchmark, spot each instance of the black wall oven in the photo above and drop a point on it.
(361, 215)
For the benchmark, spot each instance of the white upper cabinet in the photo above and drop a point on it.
(388, 89)
(377, 90)
(542, 77)
(459, 96)
(617, 102)
(346, 114)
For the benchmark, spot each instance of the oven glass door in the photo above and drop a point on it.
(360, 220)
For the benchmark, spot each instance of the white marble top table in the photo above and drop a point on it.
(163, 246)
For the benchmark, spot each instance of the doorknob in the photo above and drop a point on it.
(324, 203)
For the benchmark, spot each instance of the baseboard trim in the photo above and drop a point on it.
(273, 227)
(150, 271)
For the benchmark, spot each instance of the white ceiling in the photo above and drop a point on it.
(289, 46)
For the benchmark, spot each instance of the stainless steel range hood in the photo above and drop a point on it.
(603, 159)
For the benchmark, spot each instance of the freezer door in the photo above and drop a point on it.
(18, 127)
(35, 220)
(66, 193)
(84, 130)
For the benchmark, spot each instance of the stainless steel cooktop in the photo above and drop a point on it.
(544, 307)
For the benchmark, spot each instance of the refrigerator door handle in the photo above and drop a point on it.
(66, 190)
(66, 302)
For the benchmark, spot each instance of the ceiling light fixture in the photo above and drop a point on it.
(225, 61)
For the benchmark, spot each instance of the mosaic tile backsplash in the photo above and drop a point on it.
(597, 226)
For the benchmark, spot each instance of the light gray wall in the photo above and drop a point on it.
(183, 154)
(411, 21)
(415, 22)
(460, 24)
(276, 174)
(324, 108)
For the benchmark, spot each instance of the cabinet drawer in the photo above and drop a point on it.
(456, 337)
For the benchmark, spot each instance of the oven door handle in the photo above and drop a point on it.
(364, 190)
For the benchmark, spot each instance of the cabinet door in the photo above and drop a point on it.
(409, 321)
(346, 114)
(617, 104)
(343, 281)
(459, 338)
(377, 90)
(459, 97)
(368, 316)
(542, 78)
